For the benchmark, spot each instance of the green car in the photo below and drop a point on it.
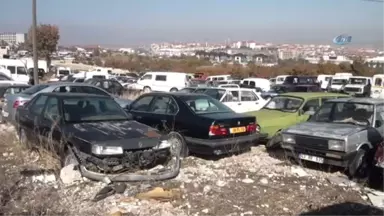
(288, 109)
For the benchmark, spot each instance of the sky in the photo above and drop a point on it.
(131, 22)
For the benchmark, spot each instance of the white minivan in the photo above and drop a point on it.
(377, 89)
(219, 78)
(17, 68)
(162, 81)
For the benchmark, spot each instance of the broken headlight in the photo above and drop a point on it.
(107, 150)
(337, 145)
(288, 138)
(163, 145)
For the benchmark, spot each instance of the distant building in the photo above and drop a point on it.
(4, 50)
(376, 62)
(13, 38)
(288, 54)
(329, 59)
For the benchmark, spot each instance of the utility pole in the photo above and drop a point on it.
(34, 43)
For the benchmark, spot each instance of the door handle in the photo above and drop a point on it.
(239, 104)
(257, 103)
(139, 117)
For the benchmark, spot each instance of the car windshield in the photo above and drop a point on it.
(34, 89)
(64, 72)
(215, 93)
(204, 104)
(357, 81)
(286, 104)
(80, 109)
(339, 81)
(345, 112)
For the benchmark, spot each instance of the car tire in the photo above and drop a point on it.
(173, 90)
(274, 142)
(147, 89)
(180, 146)
(359, 167)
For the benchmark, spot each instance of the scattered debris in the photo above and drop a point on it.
(264, 181)
(247, 181)
(298, 171)
(220, 183)
(160, 194)
(69, 174)
(205, 211)
(341, 181)
(376, 198)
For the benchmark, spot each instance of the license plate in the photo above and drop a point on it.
(311, 158)
(237, 130)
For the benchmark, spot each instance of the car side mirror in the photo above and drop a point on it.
(378, 123)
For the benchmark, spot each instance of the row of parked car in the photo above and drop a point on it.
(108, 136)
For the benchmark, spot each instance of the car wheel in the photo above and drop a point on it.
(178, 144)
(173, 90)
(146, 89)
(274, 142)
(359, 167)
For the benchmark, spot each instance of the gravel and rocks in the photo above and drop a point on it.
(251, 183)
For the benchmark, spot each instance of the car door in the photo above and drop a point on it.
(49, 125)
(140, 109)
(146, 80)
(29, 116)
(162, 113)
(117, 87)
(249, 101)
(379, 120)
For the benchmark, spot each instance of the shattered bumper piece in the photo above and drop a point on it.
(162, 174)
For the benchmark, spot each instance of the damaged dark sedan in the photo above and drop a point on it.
(94, 132)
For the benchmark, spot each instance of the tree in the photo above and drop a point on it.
(47, 38)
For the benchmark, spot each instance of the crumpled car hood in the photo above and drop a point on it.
(324, 130)
(128, 134)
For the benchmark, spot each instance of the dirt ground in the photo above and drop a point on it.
(251, 183)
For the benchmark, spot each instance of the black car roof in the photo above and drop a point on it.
(72, 95)
(176, 94)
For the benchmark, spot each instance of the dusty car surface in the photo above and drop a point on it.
(342, 132)
(286, 110)
(96, 133)
(204, 125)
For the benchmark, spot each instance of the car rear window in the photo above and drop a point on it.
(34, 89)
(204, 104)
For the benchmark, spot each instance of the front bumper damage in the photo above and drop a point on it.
(139, 165)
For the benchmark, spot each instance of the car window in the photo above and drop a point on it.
(200, 104)
(8, 91)
(92, 90)
(105, 84)
(12, 69)
(147, 77)
(38, 105)
(91, 109)
(142, 104)
(235, 96)
(252, 83)
(164, 105)
(66, 89)
(161, 78)
(21, 70)
(248, 96)
(311, 105)
(215, 93)
(52, 109)
(34, 89)
(380, 112)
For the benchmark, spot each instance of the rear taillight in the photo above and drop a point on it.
(215, 130)
(252, 127)
(19, 103)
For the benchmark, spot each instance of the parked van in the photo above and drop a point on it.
(339, 80)
(323, 80)
(17, 68)
(377, 89)
(280, 79)
(359, 86)
(261, 83)
(219, 78)
(63, 71)
(162, 81)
